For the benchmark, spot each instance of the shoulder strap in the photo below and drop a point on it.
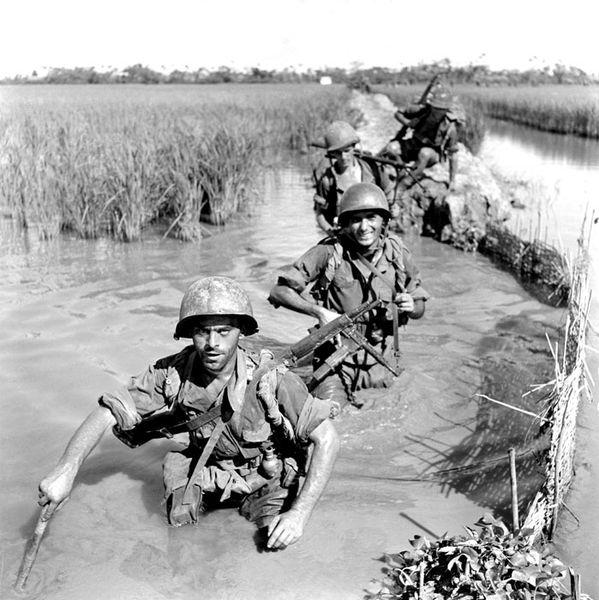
(378, 274)
(219, 426)
(374, 167)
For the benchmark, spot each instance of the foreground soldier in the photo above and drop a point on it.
(250, 423)
(363, 262)
(346, 169)
(434, 135)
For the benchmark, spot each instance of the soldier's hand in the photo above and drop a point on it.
(56, 487)
(326, 316)
(405, 302)
(285, 529)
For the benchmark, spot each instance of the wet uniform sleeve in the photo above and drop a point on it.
(156, 387)
(304, 411)
(304, 270)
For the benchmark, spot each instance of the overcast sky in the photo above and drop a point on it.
(295, 33)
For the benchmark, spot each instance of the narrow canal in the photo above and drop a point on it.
(563, 171)
(78, 316)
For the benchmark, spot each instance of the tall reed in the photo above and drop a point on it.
(555, 108)
(114, 163)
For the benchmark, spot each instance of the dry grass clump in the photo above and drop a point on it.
(568, 388)
(114, 163)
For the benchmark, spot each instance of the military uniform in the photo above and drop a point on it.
(261, 403)
(432, 128)
(340, 283)
(330, 186)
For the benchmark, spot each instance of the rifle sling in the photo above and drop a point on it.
(394, 311)
(206, 452)
(378, 274)
(155, 424)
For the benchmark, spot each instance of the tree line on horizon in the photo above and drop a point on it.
(477, 74)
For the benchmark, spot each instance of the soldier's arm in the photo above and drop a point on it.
(56, 487)
(293, 280)
(283, 295)
(452, 151)
(288, 527)
(321, 219)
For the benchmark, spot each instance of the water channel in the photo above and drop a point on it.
(78, 316)
(564, 172)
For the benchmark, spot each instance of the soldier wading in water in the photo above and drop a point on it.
(250, 423)
(363, 262)
(346, 169)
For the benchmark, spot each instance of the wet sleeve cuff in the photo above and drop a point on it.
(121, 405)
(292, 277)
(314, 412)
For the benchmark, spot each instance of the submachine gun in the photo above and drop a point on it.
(172, 421)
(345, 326)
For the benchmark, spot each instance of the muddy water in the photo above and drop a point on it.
(79, 316)
(564, 173)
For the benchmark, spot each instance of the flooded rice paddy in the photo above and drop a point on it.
(80, 315)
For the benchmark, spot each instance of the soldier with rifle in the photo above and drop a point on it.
(346, 168)
(249, 420)
(428, 134)
(362, 262)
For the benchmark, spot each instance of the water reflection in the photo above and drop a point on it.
(571, 150)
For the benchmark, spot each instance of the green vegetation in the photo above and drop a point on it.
(112, 160)
(478, 74)
(555, 108)
(490, 563)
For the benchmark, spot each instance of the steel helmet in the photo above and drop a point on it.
(339, 134)
(363, 196)
(441, 97)
(212, 296)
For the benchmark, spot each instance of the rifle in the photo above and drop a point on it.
(398, 164)
(33, 546)
(174, 420)
(344, 325)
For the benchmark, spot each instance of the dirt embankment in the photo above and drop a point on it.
(458, 216)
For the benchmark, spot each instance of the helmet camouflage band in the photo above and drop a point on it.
(215, 296)
(362, 196)
(339, 134)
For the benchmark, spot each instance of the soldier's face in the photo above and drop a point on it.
(365, 227)
(215, 340)
(343, 158)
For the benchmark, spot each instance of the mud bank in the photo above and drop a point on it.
(458, 216)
